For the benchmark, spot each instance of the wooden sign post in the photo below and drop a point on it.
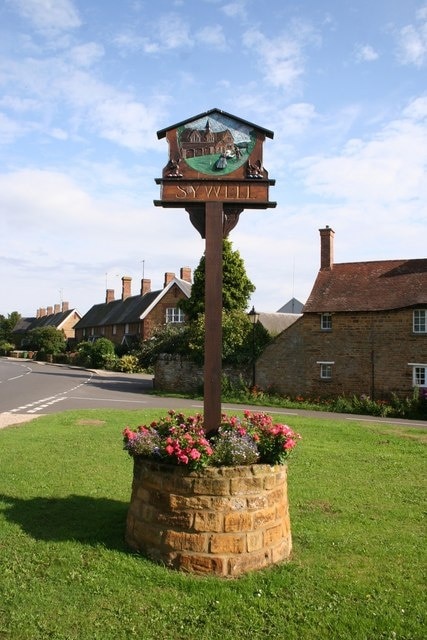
(215, 171)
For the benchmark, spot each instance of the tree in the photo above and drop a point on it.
(46, 340)
(236, 286)
(7, 325)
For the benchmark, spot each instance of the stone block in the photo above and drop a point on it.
(254, 541)
(202, 564)
(227, 543)
(272, 535)
(244, 486)
(238, 521)
(184, 541)
(264, 517)
(208, 521)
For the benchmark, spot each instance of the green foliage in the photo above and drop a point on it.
(46, 341)
(236, 286)
(6, 347)
(240, 340)
(128, 363)
(170, 338)
(7, 325)
(98, 354)
(410, 408)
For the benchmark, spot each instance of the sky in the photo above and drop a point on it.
(86, 84)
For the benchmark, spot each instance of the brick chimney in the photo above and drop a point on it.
(49, 311)
(65, 306)
(42, 312)
(169, 276)
(326, 248)
(145, 286)
(126, 287)
(185, 274)
(109, 295)
(57, 308)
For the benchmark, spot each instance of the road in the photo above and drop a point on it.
(29, 389)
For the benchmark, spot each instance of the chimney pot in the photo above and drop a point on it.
(57, 308)
(65, 306)
(126, 287)
(49, 311)
(109, 296)
(169, 276)
(326, 248)
(185, 274)
(145, 286)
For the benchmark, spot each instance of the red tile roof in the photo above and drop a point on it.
(369, 286)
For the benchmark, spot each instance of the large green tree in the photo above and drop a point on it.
(7, 324)
(236, 286)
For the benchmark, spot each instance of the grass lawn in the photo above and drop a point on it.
(357, 495)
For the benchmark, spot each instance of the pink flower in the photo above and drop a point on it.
(289, 444)
(169, 449)
(183, 458)
(194, 454)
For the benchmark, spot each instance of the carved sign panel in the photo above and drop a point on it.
(215, 157)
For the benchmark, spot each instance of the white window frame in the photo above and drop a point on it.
(326, 369)
(114, 329)
(326, 321)
(419, 321)
(174, 315)
(419, 374)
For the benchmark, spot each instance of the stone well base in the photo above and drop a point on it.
(222, 521)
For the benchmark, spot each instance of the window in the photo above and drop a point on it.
(173, 314)
(114, 329)
(420, 321)
(127, 327)
(326, 322)
(419, 374)
(326, 370)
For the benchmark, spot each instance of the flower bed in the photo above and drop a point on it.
(180, 439)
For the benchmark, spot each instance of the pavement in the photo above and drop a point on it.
(10, 419)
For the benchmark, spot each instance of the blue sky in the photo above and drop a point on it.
(86, 84)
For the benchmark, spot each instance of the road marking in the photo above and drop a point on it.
(43, 403)
(109, 400)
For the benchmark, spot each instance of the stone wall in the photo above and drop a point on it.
(180, 375)
(222, 521)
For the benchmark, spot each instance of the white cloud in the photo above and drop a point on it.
(412, 41)
(387, 169)
(45, 15)
(173, 32)
(88, 105)
(235, 9)
(85, 55)
(212, 36)
(365, 53)
(280, 59)
(10, 130)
